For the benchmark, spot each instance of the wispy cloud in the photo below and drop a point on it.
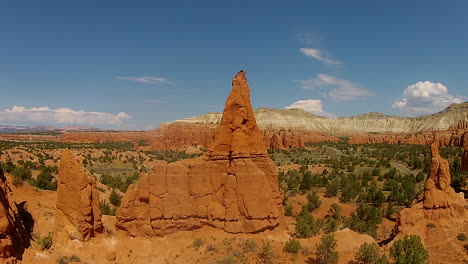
(312, 106)
(317, 54)
(151, 101)
(425, 98)
(46, 115)
(153, 80)
(308, 38)
(343, 90)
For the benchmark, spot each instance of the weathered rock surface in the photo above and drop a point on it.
(440, 204)
(13, 235)
(232, 187)
(78, 214)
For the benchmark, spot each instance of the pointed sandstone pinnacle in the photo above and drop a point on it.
(78, 213)
(233, 187)
(440, 205)
(13, 235)
(238, 135)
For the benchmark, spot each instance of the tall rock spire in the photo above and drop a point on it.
(238, 135)
(233, 187)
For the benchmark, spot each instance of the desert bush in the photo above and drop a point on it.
(197, 243)
(313, 201)
(68, 259)
(288, 209)
(106, 209)
(292, 246)
(369, 254)
(115, 198)
(266, 254)
(326, 250)
(409, 250)
(227, 260)
(249, 246)
(43, 242)
(461, 237)
(306, 225)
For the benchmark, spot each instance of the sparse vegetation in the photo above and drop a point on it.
(369, 254)
(43, 243)
(326, 250)
(68, 259)
(409, 250)
(292, 246)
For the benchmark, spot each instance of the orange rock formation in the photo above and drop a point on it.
(440, 204)
(78, 214)
(232, 187)
(13, 235)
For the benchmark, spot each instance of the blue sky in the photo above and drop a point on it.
(83, 62)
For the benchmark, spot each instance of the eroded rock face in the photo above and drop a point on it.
(13, 235)
(440, 204)
(78, 214)
(232, 187)
(464, 161)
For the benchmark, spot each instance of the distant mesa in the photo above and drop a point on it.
(78, 214)
(232, 187)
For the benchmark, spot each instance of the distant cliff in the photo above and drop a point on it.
(365, 123)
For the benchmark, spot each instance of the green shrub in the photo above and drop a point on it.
(369, 254)
(44, 242)
(68, 259)
(292, 246)
(115, 198)
(106, 209)
(409, 250)
(249, 246)
(326, 250)
(461, 237)
(306, 225)
(288, 210)
(266, 254)
(197, 243)
(227, 260)
(313, 201)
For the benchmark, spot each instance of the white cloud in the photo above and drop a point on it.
(317, 54)
(425, 98)
(311, 105)
(153, 80)
(344, 90)
(45, 115)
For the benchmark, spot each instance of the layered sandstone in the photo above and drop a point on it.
(440, 204)
(232, 187)
(78, 213)
(365, 123)
(181, 136)
(13, 235)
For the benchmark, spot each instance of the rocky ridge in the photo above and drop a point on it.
(232, 187)
(364, 123)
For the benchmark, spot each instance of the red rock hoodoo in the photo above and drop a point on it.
(232, 187)
(78, 214)
(440, 203)
(13, 235)
(464, 143)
